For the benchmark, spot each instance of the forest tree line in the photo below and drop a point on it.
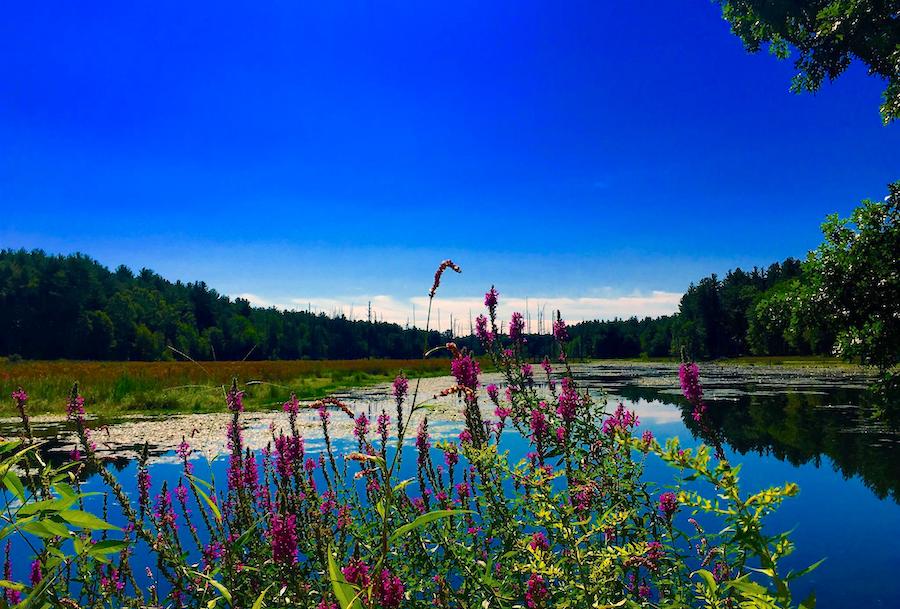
(73, 307)
(841, 300)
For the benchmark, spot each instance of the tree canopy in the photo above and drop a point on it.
(853, 281)
(828, 35)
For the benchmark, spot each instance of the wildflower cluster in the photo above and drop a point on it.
(572, 524)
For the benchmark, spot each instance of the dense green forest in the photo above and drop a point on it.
(842, 300)
(74, 307)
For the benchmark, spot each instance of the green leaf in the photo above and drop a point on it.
(5, 583)
(747, 587)
(258, 603)
(64, 489)
(14, 485)
(46, 529)
(9, 445)
(107, 546)
(200, 481)
(402, 485)
(212, 504)
(47, 505)
(809, 602)
(245, 537)
(708, 578)
(794, 575)
(423, 520)
(85, 520)
(216, 584)
(344, 592)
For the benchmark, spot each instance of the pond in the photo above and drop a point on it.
(780, 424)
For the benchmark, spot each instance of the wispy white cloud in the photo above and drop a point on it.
(413, 310)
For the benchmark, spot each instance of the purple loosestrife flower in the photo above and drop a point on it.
(36, 573)
(292, 406)
(721, 572)
(143, 482)
(328, 502)
(76, 414)
(621, 420)
(357, 573)
(235, 400)
(21, 399)
(655, 552)
(560, 332)
(462, 491)
(361, 426)
(535, 592)
(502, 413)
(400, 388)
(289, 455)
(283, 532)
(538, 424)
(484, 335)
(422, 444)
(545, 364)
(451, 456)
(213, 553)
(493, 392)
(647, 439)
(644, 590)
(390, 590)
(699, 411)
(466, 370)
(164, 512)
(516, 327)
(181, 492)
(112, 582)
(539, 542)
(13, 597)
(527, 372)
(184, 453)
(490, 299)
(668, 504)
(568, 401)
(251, 473)
(344, 519)
(689, 375)
(384, 420)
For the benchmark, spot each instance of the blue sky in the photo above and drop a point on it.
(336, 152)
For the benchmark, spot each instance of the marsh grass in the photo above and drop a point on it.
(152, 387)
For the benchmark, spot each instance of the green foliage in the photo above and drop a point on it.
(853, 281)
(73, 307)
(575, 524)
(725, 318)
(827, 35)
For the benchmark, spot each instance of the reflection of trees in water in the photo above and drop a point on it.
(793, 427)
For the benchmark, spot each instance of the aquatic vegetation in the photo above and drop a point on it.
(574, 524)
(121, 387)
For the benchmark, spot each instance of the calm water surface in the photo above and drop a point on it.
(781, 427)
